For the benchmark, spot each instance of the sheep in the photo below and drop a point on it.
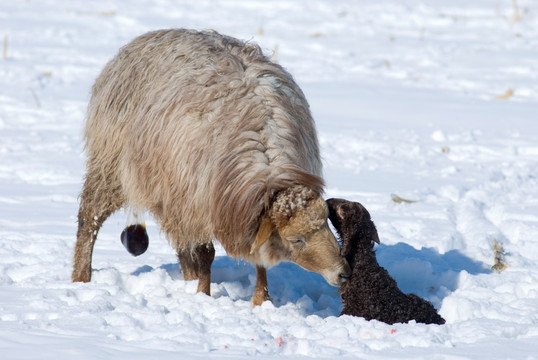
(371, 292)
(217, 143)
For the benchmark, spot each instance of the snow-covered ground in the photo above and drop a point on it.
(434, 101)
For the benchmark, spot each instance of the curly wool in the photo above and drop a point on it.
(371, 292)
(288, 202)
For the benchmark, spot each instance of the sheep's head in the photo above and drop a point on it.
(295, 229)
(354, 225)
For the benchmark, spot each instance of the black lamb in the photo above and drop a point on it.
(371, 292)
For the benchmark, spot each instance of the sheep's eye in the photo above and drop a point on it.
(298, 240)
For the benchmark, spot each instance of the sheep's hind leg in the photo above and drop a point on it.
(196, 264)
(99, 199)
(261, 291)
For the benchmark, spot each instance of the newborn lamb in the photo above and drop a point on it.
(371, 292)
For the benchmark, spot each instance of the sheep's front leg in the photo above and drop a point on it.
(261, 291)
(206, 255)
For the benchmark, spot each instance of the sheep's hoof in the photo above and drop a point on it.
(81, 276)
(260, 296)
(204, 284)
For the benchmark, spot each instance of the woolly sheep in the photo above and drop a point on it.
(217, 142)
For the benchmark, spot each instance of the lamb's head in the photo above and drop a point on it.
(353, 223)
(295, 229)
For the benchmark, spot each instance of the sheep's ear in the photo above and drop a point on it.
(264, 232)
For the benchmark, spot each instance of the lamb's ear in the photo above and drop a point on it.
(335, 213)
(346, 235)
(342, 212)
(264, 232)
(375, 236)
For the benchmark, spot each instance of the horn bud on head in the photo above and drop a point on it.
(283, 207)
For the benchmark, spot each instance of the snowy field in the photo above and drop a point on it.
(433, 101)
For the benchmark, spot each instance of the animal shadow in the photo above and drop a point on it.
(426, 272)
(288, 284)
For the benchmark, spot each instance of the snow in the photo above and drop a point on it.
(434, 101)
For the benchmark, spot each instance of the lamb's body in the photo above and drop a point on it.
(371, 292)
(200, 129)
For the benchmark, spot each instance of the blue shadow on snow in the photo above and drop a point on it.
(423, 272)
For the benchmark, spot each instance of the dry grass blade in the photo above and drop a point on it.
(36, 99)
(517, 14)
(4, 53)
(274, 57)
(508, 94)
(498, 253)
(399, 200)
